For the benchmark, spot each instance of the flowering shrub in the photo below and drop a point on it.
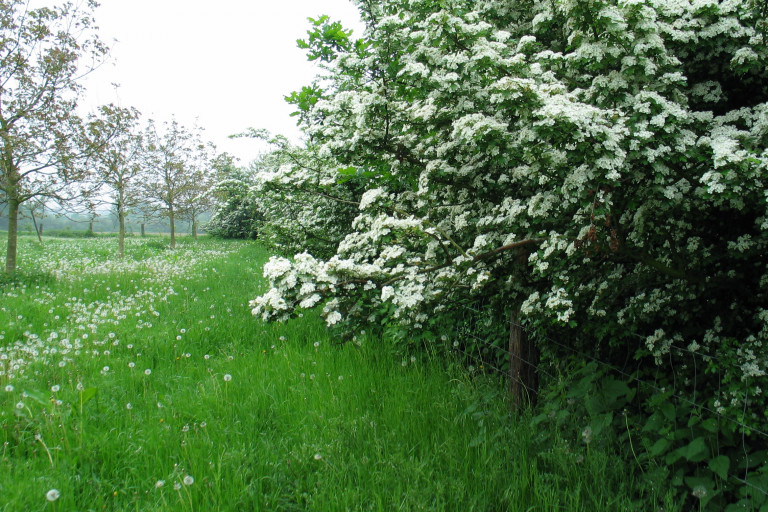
(600, 165)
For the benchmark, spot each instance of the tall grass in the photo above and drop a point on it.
(147, 385)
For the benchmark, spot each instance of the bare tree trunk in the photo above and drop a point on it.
(13, 234)
(121, 233)
(194, 228)
(142, 230)
(173, 228)
(38, 229)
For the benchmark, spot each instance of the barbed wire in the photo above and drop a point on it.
(472, 321)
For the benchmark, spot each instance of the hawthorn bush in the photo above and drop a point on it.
(598, 166)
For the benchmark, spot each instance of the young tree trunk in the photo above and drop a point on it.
(121, 234)
(13, 233)
(142, 230)
(194, 228)
(173, 228)
(38, 229)
(90, 227)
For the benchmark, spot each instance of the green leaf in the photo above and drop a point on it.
(86, 395)
(660, 447)
(695, 451)
(668, 410)
(720, 465)
(615, 389)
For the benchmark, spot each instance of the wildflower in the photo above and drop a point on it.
(131, 364)
(188, 480)
(699, 491)
(147, 372)
(586, 435)
(105, 369)
(317, 344)
(176, 486)
(413, 359)
(52, 495)
(206, 357)
(55, 388)
(227, 377)
(20, 405)
(318, 456)
(8, 388)
(129, 406)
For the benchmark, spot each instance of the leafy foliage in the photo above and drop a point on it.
(599, 165)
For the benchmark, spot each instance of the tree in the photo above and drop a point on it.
(43, 53)
(198, 199)
(599, 167)
(174, 172)
(117, 161)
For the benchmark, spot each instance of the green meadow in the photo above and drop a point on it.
(146, 384)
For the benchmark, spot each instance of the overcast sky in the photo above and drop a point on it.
(225, 63)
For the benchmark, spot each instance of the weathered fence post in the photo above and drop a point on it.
(523, 360)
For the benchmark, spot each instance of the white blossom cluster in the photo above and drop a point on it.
(597, 164)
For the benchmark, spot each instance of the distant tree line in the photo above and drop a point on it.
(51, 155)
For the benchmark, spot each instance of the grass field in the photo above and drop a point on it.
(146, 384)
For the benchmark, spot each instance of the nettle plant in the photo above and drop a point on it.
(600, 166)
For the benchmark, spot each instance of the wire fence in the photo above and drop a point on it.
(486, 350)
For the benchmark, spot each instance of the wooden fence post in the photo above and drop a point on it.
(523, 360)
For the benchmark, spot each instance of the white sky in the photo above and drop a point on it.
(226, 64)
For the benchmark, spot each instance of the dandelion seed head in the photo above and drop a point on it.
(227, 377)
(55, 388)
(159, 483)
(188, 480)
(52, 495)
(147, 372)
(8, 388)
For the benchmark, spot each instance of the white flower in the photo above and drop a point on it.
(188, 480)
(227, 377)
(55, 388)
(52, 495)
(159, 483)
